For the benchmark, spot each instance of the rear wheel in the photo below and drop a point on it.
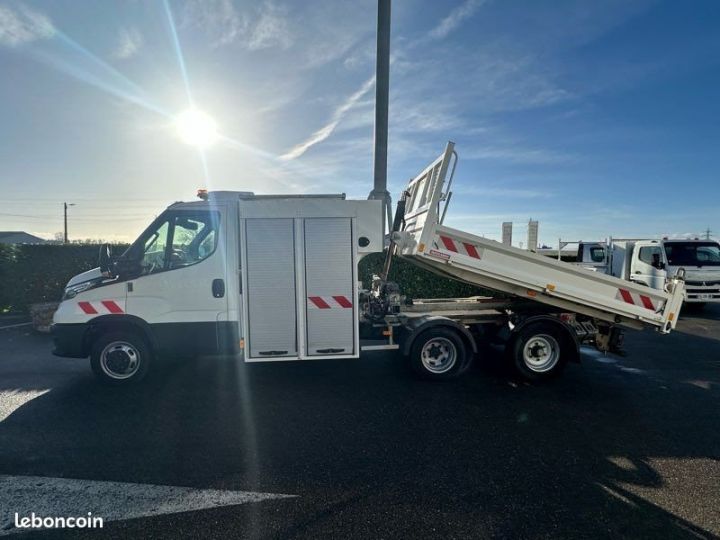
(120, 358)
(538, 351)
(439, 354)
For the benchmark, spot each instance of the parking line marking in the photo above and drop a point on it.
(12, 400)
(15, 325)
(112, 501)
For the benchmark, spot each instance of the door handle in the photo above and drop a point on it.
(638, 272)
(218, 288)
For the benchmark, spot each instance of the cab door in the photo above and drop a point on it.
(180, 289)
(648, 265)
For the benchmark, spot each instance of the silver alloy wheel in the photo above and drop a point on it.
(541, 353)
(120, 360)
(439, 355)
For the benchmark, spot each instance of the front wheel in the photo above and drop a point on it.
(120, 358)
(439, 354)
(538, 352)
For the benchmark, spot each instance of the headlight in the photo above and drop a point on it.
(72, 291)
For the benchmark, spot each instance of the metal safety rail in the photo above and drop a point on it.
(425, 241)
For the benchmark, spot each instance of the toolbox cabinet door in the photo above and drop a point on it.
(329, 283)
(271, 290)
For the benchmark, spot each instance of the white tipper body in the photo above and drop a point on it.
(474, 259)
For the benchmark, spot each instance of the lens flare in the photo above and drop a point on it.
(196, 128)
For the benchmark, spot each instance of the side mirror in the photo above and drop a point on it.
(657, 263)
(105, 261)
(128, 266)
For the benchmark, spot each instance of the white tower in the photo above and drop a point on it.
(507, 233)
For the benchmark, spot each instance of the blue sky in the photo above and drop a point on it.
(596, 118)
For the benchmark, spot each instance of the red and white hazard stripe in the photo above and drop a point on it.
(463, 248)
(102, 307)
(635, 299)
(329, 302)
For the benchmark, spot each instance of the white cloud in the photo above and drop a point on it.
(270, 29)
(418, 116)
(130, 42)
(503, 192)
(23, 25)
(327, 130)
(217, 17)
(361, 57)
(455, 18)
(515, 154)
(264, 28)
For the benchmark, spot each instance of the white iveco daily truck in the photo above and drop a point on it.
(651, 262)
(275, 278)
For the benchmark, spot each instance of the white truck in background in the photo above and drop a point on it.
(652, 262)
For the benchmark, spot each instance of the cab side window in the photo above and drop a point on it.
(194, 238)
(651, 255)
(153, 259)
(181, 239)
(207, 246)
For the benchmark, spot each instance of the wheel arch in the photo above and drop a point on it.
(111, 323)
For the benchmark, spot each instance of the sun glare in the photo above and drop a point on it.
(196, 128)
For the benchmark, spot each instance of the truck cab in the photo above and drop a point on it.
(593, 256)
(639, 261)
(648, 265)
(701, 261)
(273, 277)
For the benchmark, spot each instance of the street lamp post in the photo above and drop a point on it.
(382, 96)
(65, 207)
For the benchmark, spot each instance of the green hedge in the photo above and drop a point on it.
(416, 282)
(6, 285)
(34, 273)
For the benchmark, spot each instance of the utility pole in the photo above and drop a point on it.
(707, 233)
(382, 97)
(65, 207)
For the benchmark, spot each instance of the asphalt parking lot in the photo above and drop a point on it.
(615, 448)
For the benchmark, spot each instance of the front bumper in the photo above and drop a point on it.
(697, 294)
(702, 291)
(69, 340)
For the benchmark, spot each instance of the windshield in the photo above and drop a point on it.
(693, 253)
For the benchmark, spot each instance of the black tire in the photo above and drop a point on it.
(120, 358)
(539, 351)
(439, 354)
